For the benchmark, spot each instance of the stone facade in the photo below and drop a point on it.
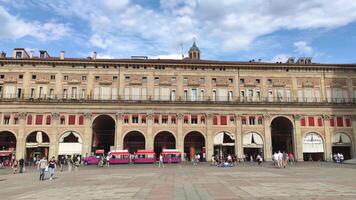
(176, 96)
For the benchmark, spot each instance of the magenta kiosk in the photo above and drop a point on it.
(171, 156)
(145, 156)
(119, 157)
(94, 160)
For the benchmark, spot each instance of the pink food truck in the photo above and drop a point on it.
(119, 157)
(171, 156)
(145, 156)
(94, 160)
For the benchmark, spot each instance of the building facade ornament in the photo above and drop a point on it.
(326, 117)
(297, 116)
(119, 115)
(87, 115)
(22, 115)
(55, 115)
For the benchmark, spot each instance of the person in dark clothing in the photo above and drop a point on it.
(21, 164)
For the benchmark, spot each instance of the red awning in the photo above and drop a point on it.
(119, 153)
(145, 152)
(5, 153)
(165, 152)
(99, 151)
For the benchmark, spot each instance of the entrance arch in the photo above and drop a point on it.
(37, 145)
(133, 141)
(103, 133)
(313, 147)
(253, 145)
(341, 143)
(164, 140)
(224, 144)
(194, 143)
(70, 143)
(7, 141)
(282, 135)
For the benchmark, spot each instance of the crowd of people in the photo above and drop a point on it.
(338, 157)
(281, 159)
(231, 160)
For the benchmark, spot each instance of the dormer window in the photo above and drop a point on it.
(65, 77)
(18, 54)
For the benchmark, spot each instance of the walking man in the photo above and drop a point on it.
(21, 164)
(160, 163)
(62, 162)
(42, 164)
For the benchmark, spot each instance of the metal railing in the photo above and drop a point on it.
(173, 99)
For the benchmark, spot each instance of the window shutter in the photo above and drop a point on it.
(39, 119)
(81, 120)
(348, 122)
(332, 121)
(320, 122)
(339, 121)
(71, 120)
(223, 120)
(48, 120)
(311, 121)
(29, 120)
(302, 121)
(215, 120)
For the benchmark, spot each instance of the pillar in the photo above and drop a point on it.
(328, 138)
(53, 141)
(119, 140)
(354, 135)
(20, 138)
(149, 136)
(180, 134)
(268, 138)
(298, 139)
(238, 137)
(209, 142)
(87, 135)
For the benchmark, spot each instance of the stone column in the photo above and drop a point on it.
(149, 136)
(180, 134)
(87, 135)
(238, 137)
(53, 142)
(354, 135)
(119, 140)
(268, 138)
(298, 139)
(322, 89)
(328, 141)
(21, 139)
(209, 143)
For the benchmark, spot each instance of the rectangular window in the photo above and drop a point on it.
(135, 119)
(165, 94)
(270, 96)
(346, 95)
(135, 93)
(252, 120)
(29, 120)
(126, 119)
(309, 94)
(19, 92)
(317, 95)
(65, 93)
(143, 93)
(185, 95)
(328, 95)
(83, 94)
(332, 121)
(213, 80)
(98, 78)
(39, 119)
(260, 121)
(242, 81)
(202, 81)
(74, 92)
(194, 94)
(194, 119)
(81, 120)
(213, 95)
(320, 122)
(302, 121)
(41, 92)
(51, 93)
(243, 120)
(348, 122)
(6, 119)
(202, 119)
(114, 78)
(185, 81)
(156, 93)
(53, 77)
(202, 95)
(65, 77)
(165, 119)
(156, 119)
(114, 93)
(215, 120)
(185, 119)
(34, 77)
(288, 96)
(223, 120)
(339, 121)
(311, 121)
(71, 120)
(230, 96)
(300, 95)
(16, 120)
(173, 95)
(143, 119)
(127, 93)
(173, 119)
(48, 120)
(232, 120)
(105, 93)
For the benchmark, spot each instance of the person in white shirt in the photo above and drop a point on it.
(280, 159)
(275, 159)
(108, 160)
(160, 163)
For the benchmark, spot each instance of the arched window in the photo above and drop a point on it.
(81, 120)
(48, 120)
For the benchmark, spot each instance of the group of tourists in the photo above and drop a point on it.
(282, 159)
(338, 157)
(231, 160)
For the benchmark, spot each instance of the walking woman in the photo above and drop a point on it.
(51, 167)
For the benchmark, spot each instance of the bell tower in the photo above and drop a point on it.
(194, 52)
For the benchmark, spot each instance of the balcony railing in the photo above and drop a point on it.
(174, 99)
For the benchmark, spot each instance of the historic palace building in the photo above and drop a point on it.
(52, 106)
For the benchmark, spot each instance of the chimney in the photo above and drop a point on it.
(61, 55)
(3, 54)
(94, 55)
(31, 54)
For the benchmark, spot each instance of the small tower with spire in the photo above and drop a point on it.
(194, 52)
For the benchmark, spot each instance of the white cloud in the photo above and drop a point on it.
(280, 58)
(303, 48)
(227, 25)
(169, 56)
(13, 27)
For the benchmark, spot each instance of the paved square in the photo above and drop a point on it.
(184, 181)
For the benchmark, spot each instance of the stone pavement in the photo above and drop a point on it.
(184, 181)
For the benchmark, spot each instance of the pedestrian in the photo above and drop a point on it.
(69, 162)
(291, 158)
(212, 160)
(62, 161)
(275, 159)
(76, 164)
(108, 160)
(229, 159)
(341, 158)
(160, 163)
(259, 159)
(284, 159)
(14, 166)
(251, 159)
(22, 165)
(51, 167)
(42, 166)
(197, 159)
(280, 159)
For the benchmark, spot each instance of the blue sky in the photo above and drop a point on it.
(271, 30)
